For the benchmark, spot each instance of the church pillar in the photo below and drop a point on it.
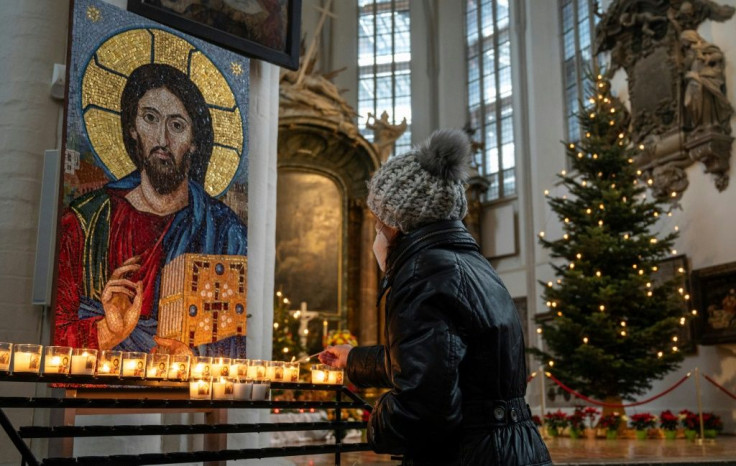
(368, 282)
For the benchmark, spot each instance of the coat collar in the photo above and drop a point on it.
(446, 233)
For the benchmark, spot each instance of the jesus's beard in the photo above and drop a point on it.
(165, 174)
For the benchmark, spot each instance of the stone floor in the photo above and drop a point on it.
(581, 452)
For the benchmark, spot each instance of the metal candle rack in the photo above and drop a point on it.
(344, 399)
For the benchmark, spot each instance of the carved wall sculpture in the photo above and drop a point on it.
(679, 105)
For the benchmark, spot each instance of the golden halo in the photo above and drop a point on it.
(105, 77)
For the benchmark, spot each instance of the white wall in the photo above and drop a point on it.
(33, 37)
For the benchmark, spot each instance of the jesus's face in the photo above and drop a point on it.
(164, 136)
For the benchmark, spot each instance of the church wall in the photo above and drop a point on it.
(33, 37)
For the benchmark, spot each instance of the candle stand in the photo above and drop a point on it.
(172, 396)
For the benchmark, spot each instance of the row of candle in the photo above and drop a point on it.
(85, 361)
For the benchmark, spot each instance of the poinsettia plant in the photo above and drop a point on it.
(668, 421)
(557, 419)
(643, 421)
(577, 419)
(610, 421)
(711, 421)
(537, 420)
(591, 413)
(689, 420)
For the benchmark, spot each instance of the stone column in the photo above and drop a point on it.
(32, 38)
(368, 282)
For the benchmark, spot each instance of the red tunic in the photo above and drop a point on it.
(132, 233)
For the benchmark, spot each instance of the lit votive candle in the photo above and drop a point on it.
(178, 367)
(201, 367)
(27, 358)
(56, 359)
(256, 369)
(200, 389)
(222, 388)
(243, 389)
(134, 364)
(84, 361)
(221, 367)
(158, 366)
(109, 363)
(335, 376)
(275, 371)
(319, 373)
(291, 372)
(239, 368)
(260, 390)
(6, 349)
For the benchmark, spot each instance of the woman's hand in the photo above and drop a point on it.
(336, 356)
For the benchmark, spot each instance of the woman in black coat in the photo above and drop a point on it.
(454, 354)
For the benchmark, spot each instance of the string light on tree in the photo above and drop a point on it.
(614, 260)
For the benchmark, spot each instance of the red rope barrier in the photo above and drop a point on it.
(614, 405)
(719, 387)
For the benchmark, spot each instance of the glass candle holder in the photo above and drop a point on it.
(134, 364)
(57, 359)
(335, 376)
(256, 369)
(223, 388)
(239, 368)
(201, 367)
(109, 363)
(200, 388)
(291, 372)
(220, 367)
(261, 390)
(158, 366)
(243, 389)
(179, 367)
(84, 361)
(27, 358)
(6, 351)
(275, 371)
(319, 373)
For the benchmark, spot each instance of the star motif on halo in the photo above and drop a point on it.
(236, 68)
(93, 14)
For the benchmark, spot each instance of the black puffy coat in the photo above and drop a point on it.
(454, 358)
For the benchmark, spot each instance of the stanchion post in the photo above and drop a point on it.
(700, 403)
(541, 394)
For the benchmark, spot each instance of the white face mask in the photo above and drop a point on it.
(380, 247)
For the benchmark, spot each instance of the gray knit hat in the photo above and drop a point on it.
(424, 185)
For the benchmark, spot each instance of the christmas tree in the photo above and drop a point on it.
(613, 329)
(286, 342)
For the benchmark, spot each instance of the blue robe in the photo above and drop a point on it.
(204, 226)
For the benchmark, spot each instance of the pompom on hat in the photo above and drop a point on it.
(424, 185)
